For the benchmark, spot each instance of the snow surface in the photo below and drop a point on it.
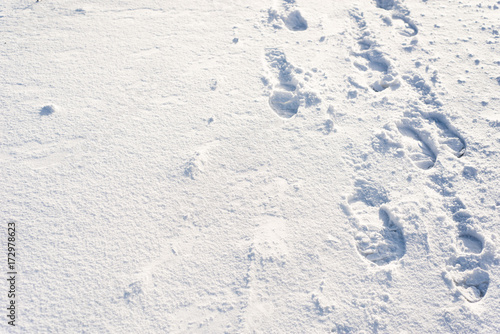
(252, 167)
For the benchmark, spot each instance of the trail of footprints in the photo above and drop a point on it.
(286, 88)
(409, 29)
(375, 63)
(381, 240)
(379, 237)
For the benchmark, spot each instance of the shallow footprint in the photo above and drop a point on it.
(284, 99)
(385, 4)
(421, 154)
(288, 15)
(409, 29)
(449, 137)
(465, 268)
(381, 240)
(381, 244)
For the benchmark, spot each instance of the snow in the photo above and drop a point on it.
(252, 166)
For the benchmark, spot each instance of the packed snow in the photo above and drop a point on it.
(283, 166)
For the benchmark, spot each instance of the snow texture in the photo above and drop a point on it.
(251, 166)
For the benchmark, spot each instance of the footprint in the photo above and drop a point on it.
(293, 18)
(369, 59)
(381, 240)
(284, 99)
(385, 4)
(285, 104)
(449, 137)
(289, 15)
(469, 244)
(467, 267)
(422, 150)
(472, 284)
(420, 153)
(375, 61)
(286, 94)
(381, 244)
(399, 13)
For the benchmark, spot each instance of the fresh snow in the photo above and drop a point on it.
(251, 166)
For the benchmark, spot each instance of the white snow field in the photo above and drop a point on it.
(284, 166)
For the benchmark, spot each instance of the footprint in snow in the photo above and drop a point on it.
(472, 284)
(386, 4)
(369, 59)
(419, 152)
(467, 267)
(379, 238)
(448, 136)
(286, 94)
(284, 99)
(399, 12)
(409, 28)
(291, 17)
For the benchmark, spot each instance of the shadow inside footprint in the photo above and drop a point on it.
(284, 103)
(295, 22)
(47, 110)
(467, 267)
(470, 244)
(385, 4)
(284, 100)
(410, 27)
(381, 245)
(449, 137)
(472, 284)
